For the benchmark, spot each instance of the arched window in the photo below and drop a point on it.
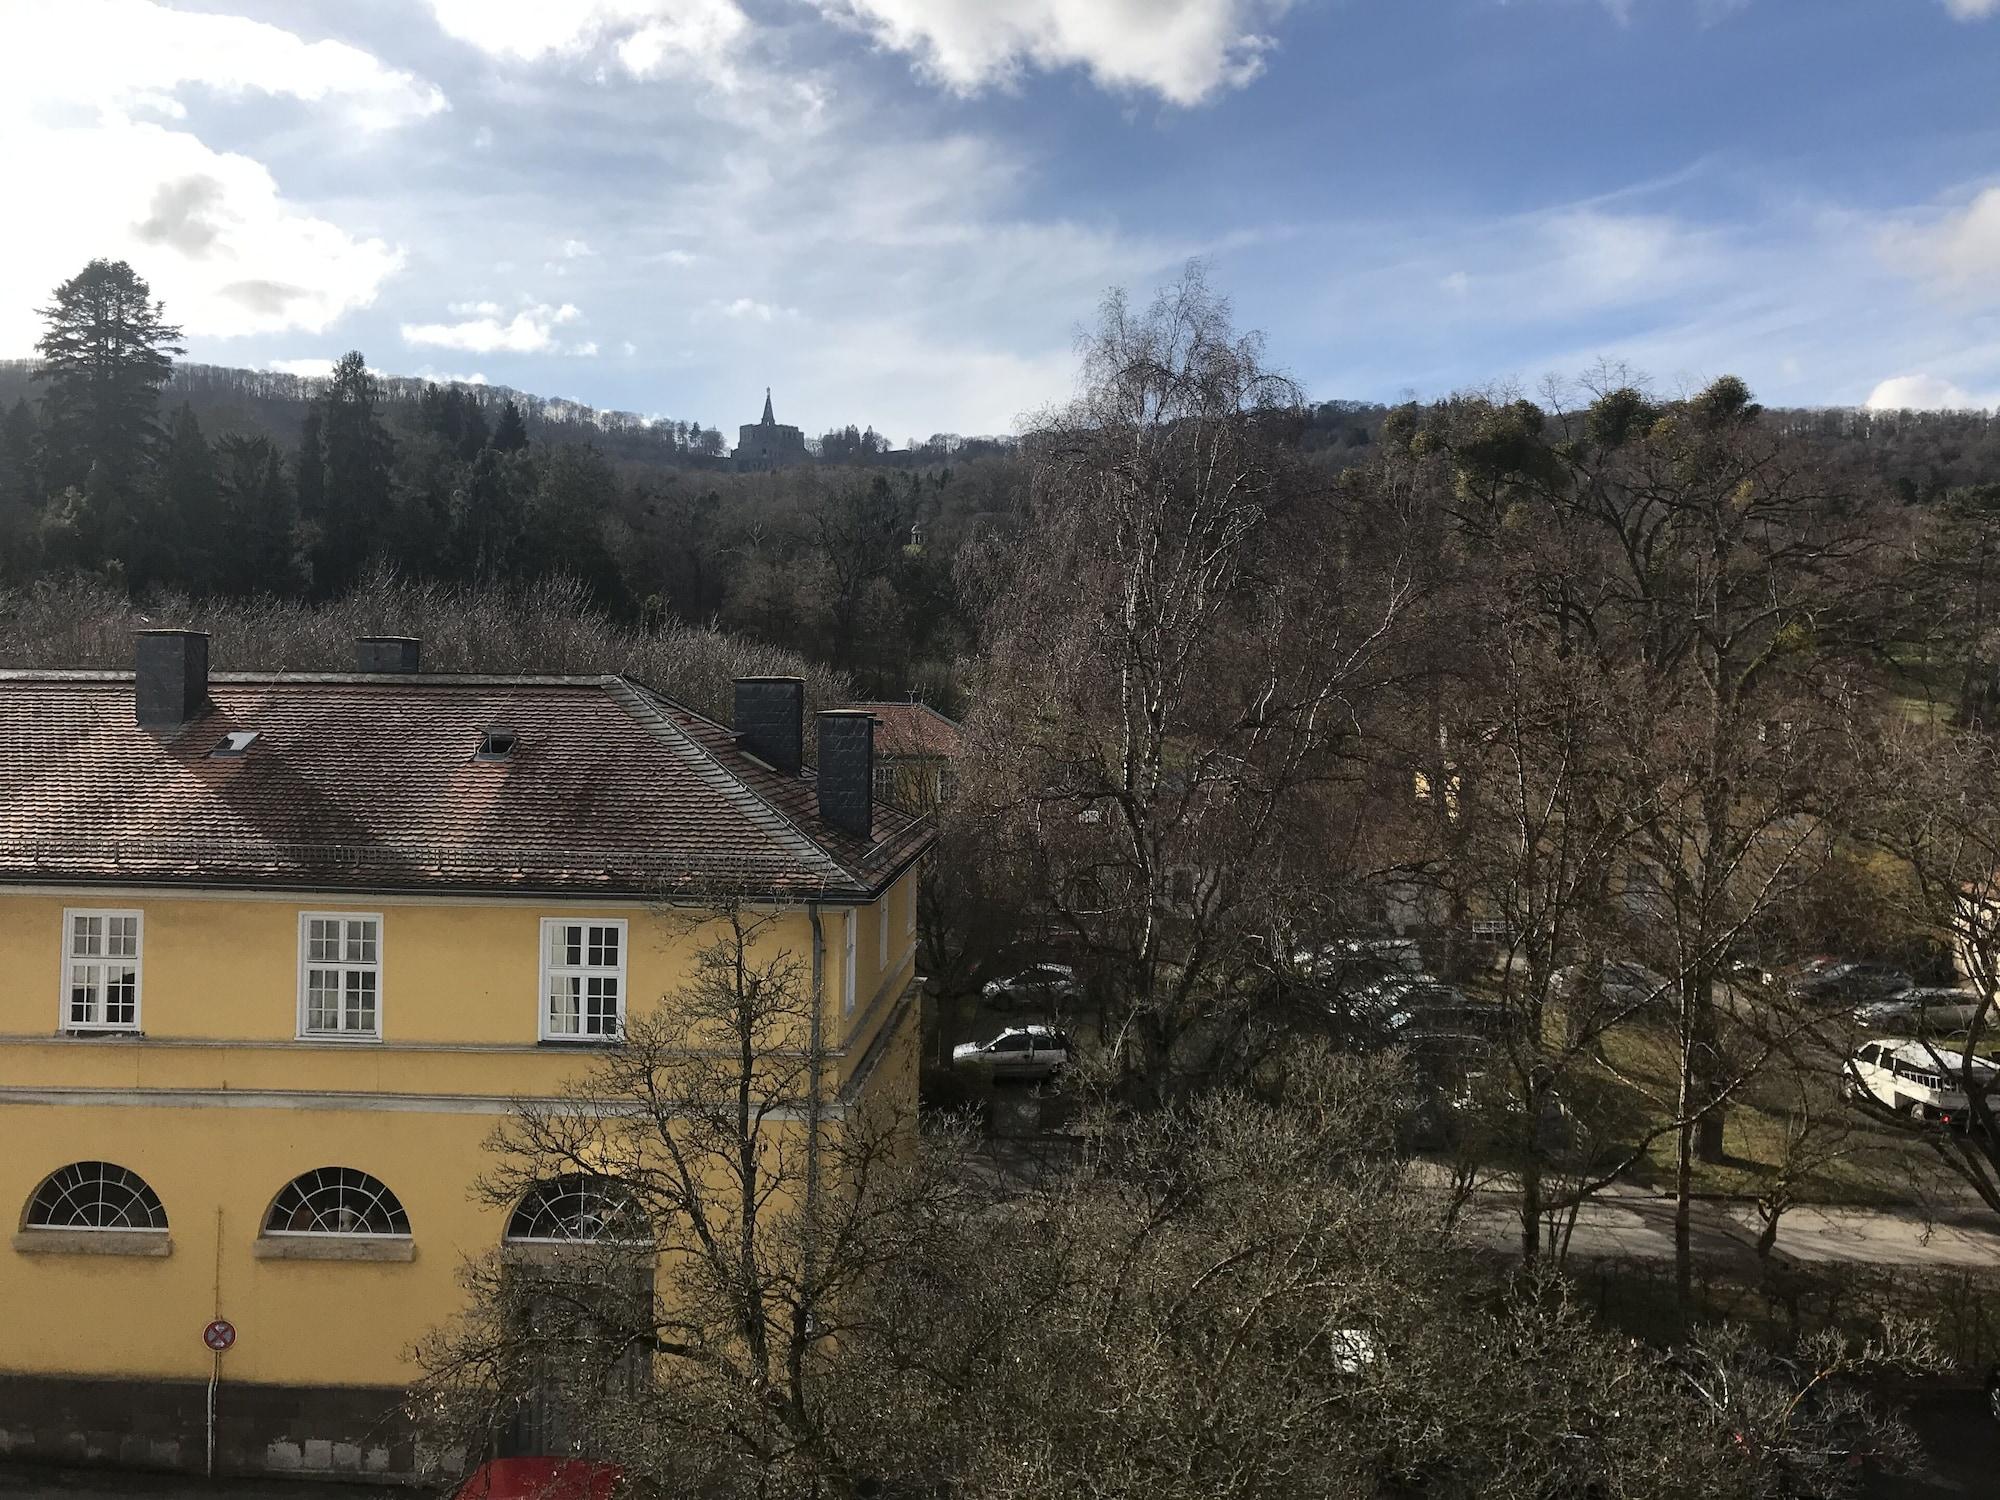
(578, 1208)
(336, 1200)
(95, 1195)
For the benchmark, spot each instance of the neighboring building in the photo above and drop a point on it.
(768, 443)
(916, 754)
(279, 952)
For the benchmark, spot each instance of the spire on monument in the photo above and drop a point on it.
(769, 420)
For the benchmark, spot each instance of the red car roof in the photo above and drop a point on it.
(542, 1479)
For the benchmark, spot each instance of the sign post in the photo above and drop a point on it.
(218, 1336)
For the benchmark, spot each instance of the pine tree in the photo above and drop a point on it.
(107, 352)
(311, 467)
(360, 456)
(189, 540)
(510, 434)
(259, 519)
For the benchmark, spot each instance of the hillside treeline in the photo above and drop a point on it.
(119, 464)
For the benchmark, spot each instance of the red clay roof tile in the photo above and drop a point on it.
(355, 782)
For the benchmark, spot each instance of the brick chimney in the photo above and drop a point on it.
(847, 770)
(388, 653)
(770, 720)
(170, 677)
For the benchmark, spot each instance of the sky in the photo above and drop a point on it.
(905, 212)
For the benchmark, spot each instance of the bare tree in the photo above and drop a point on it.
(718, 1217)
(1175, 661)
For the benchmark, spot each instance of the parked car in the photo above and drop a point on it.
(1924, 1009)
(1044, 985)
(1352, 962)
(1923, 1081)
(1430, 1008)
(541, 1479)
(1848, 981)
(1024, 1052)
(1624, 983)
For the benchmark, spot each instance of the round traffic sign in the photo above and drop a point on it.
(219, 1335)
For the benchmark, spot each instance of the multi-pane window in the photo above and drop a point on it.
(101, 970)
(583, 979)
(336, 1200)
(577, 1208)
(340, 975)
(95, 1195)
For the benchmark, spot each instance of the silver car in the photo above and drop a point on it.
(1024, 1052)
(1042, 985)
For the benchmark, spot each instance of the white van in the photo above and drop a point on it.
(1921, 1080)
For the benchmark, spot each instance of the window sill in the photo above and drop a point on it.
(152, 1244)
(372, 1247)
(341, 1038)
(99, 1033)
(582, 1041)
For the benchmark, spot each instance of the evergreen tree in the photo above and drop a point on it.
(510, 434)
(107, 352)
(20, 456)
(189, 544)
(565, 526)
(473, 435)
(259, 519)
(311, 467)
(359, 459)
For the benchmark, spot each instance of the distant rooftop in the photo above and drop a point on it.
(915, 731)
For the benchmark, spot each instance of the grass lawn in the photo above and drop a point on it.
(1864, 1160)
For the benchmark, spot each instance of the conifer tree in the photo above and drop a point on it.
(107, 352)
(510, 434)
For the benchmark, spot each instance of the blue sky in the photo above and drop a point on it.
(900, 212)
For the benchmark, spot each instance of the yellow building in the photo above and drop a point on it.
(276, 952)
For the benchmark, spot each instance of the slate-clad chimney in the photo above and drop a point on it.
(771, 720)
(170, 684)
(387, 653)
(847, 769)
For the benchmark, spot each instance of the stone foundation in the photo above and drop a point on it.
(326, 1432)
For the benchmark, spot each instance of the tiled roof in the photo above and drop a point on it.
(914, 731)
(362, 782)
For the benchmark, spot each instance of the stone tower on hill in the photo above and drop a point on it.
(768, 444)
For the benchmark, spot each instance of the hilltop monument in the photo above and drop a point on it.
(768, 444)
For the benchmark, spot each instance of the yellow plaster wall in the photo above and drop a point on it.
(218, 1105)
(298, 1322)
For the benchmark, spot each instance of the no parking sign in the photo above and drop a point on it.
(219, 1335)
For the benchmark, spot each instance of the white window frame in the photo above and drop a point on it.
(882, 934)
(101, 961)
(550, 971)
(909, 884)
(847, 964)
(341, 966)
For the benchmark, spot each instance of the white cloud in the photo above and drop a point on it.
(1959, 249)
(1973, 10)
(751, 309)
(475, 309)
(649, 37)
(1457, 283)
(208, 229)
(130, 54)
(1185, 51)
(529, 331)
(576, 249)
(1927, 393)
